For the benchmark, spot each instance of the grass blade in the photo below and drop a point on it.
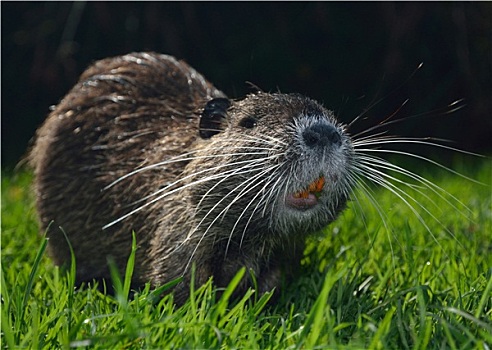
(486, 298)
(32, 275)
(129, 268)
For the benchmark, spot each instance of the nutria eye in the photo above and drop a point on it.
(248, 122)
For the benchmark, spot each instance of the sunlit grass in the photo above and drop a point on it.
(366, 283)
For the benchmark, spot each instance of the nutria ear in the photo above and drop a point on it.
(213, 117)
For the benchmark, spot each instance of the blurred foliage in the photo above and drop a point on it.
(347, 55)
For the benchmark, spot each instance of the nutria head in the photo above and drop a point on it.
(269, 166)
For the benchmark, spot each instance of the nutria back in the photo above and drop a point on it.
(144, 143)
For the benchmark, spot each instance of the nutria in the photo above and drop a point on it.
(144, 143)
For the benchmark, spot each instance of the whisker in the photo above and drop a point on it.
(174, 190)
(378, 178)
(224, 176)
(263, 201)
(422, 158)
(381, 163)
(260, 164)
(198, 173)
(387, 122)
(369, 194)
(252, 179)
(375, 101)
(184, 158)
(272, 190)
(267, 139)
(399, 140)
(262, 192)
(244, 192)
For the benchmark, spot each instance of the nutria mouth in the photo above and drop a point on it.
(307, 198)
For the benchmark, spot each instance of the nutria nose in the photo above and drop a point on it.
(321, 135)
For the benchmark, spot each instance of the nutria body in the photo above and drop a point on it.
(144, 143)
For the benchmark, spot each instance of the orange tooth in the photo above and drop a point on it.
(317, 186)
(320, 184)
(314, 187)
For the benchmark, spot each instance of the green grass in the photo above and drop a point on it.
(362, 286)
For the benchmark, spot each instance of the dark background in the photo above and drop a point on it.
(346, 55)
